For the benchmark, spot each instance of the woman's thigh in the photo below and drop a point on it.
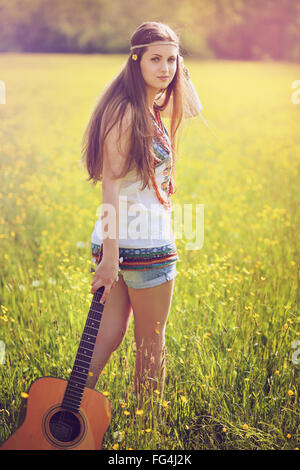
(151, 308)
(116, 314)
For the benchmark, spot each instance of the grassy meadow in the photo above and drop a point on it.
(231, 381)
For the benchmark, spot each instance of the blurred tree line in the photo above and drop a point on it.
(226, 29)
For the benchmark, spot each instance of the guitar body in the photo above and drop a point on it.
(48, 426)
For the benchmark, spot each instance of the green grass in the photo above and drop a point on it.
(230, 380)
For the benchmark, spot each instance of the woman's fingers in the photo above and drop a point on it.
(104, 295)
(107, 288)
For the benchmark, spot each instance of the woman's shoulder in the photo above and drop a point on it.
(118, 116)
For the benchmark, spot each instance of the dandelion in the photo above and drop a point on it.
(35, 283)
(105, 394)
(24, 395)
(139, 412)
(245, 426)
(115, 446)
(224, 430)
(290, 393)
(157, 392)
(148, 430)
(277, 372)
(126, 413)
(288, 436)
(183, 399)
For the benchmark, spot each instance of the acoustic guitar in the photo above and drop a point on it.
(64, 414)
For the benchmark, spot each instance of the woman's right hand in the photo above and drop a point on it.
(105, 275)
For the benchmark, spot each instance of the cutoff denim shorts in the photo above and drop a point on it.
(141, 279)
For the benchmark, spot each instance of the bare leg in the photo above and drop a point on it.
(115, 320)
(150, 309)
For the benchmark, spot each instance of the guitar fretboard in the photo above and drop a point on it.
(79, 374)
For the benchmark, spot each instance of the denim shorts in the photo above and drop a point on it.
(142, 279)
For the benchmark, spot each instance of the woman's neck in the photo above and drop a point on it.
(151, 94)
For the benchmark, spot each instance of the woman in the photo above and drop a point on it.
(127, 147)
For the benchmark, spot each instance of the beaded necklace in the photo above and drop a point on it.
(160, 135)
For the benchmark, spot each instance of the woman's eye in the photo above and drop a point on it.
(154, 58)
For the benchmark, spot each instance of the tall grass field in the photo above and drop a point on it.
(232, 337)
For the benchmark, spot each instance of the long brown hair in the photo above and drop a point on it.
(129, 88)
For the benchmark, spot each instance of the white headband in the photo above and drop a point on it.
(155, 43)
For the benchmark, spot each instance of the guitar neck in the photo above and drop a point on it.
(79, 374)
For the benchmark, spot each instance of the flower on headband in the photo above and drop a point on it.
(134, 57)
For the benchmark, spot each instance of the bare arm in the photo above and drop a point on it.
(113, 162)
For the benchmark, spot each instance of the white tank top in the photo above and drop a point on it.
(143, 220)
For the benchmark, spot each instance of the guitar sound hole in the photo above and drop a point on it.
(64, 426)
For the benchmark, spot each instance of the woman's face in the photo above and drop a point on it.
(158, 66)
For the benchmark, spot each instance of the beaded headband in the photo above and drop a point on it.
(154, 43)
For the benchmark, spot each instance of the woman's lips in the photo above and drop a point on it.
(163, 78)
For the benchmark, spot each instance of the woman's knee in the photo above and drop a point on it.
(151, 343)
(112, 340)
